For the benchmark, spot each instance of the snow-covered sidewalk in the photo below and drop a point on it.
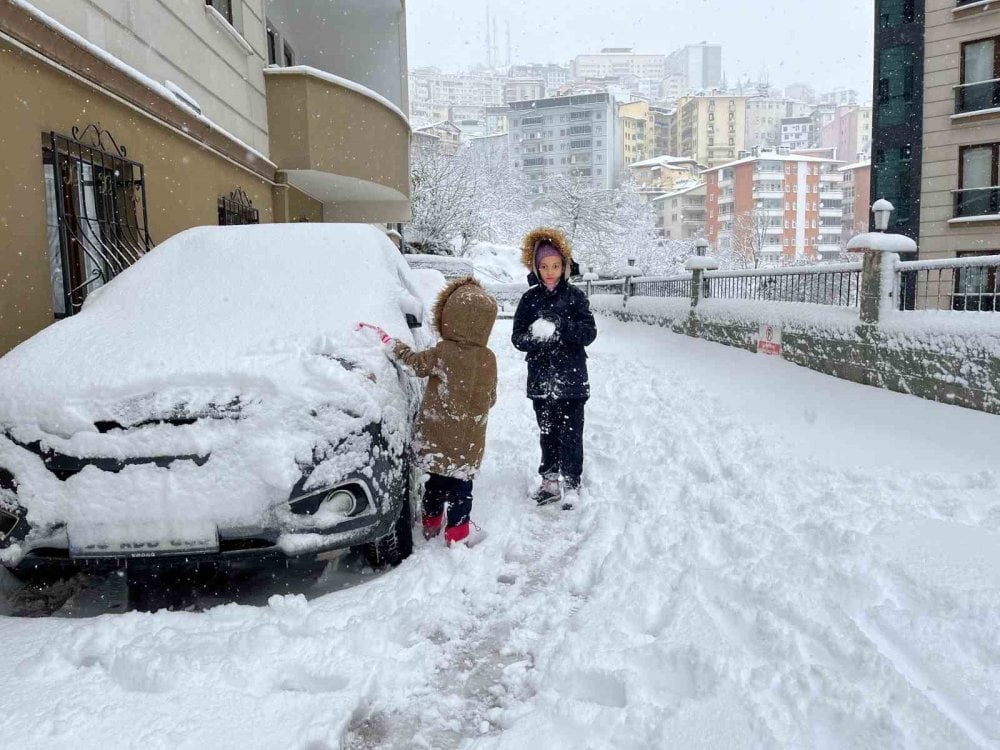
(763, 557)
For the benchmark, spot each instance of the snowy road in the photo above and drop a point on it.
(763, 557)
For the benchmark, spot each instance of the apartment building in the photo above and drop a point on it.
(553, 76)
(680, 213)
(477, 121)
(795, 132)
(616, 61)
(135, 121)
(764, 116)
(698, 66)
(663, 174)
(635, 126)
(448, 134)
(570, 136)
(663, 125)
(429, 86)
(710, 129)
(959, 179)
(522, 89)
(850, 131)
(786, 206)
(857, 199)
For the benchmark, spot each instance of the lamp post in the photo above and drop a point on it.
(701, 246)
(882, 209)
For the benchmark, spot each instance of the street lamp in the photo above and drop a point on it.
(882, 210)
(700, 246)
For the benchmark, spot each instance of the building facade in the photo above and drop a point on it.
(699, 66)
(663, 174)
(960, 176)
(850, 132)
(112, 149)
(710, 129)
(448, 134)
(795, 132)
(775, 207)
(680, 213)
(857, 199)
(764, 118)
(570, 136)
(554, 76)
(898, 105)
(613, 62)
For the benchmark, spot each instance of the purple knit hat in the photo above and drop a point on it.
(545, 250)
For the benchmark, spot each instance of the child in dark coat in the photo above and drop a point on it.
(552, 325)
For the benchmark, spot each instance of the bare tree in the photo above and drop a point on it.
(747, 239)
(464, 198)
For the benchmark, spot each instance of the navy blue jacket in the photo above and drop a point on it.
(557, 367)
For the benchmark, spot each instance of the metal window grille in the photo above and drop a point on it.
(237, 208)
(97, 214)
(968, 284)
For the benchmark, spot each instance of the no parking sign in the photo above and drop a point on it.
(769, 340)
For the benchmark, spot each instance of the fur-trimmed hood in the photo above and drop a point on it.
(464, 312)
(529, 247)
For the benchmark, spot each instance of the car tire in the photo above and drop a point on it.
(390, 550)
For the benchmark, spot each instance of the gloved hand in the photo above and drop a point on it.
(387, 340)
(543, 329)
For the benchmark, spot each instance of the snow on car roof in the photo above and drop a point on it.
(216, 305)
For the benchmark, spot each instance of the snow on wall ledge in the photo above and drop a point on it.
(953, 357)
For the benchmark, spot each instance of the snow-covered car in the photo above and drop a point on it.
(449, 266)
(215, 402)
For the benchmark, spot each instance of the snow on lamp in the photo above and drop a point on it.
(701, 246)
(882, 209)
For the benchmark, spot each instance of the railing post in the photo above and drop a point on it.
(697, 265)
(878, 270)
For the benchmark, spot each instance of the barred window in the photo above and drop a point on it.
(586, 143)
(237, 208)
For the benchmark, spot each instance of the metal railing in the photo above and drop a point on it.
(237, 209)
(981, 201)
(666, 286)
(608, 286)
(976, 96)
(968, 284)
(836, 284)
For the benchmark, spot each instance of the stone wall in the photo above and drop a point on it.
(944, 356)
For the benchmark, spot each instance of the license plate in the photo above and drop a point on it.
(142, 539)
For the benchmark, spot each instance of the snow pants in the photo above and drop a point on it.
(560, 426)
(455, 493)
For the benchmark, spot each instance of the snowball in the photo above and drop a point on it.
(543, 329)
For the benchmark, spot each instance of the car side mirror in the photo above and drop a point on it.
(412, 322)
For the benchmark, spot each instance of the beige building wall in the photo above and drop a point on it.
(947, 27)
(218, 65)
(711, 129)
(184, 179)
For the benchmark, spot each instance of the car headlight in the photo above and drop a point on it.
(348, 500)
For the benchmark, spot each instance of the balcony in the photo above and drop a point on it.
(977, 97)
(773, 194)
(339, 143)
(974, 202)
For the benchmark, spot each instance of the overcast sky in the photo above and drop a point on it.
(827, 44)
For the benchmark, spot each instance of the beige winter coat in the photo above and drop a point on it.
(462, 381)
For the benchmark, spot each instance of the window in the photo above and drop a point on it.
(237, 208)
(893, 13)
(977, 287)
(95, 201)
(585, 143)
(898, 84)
(978, 189)
(225, 8)
(980, 87)
(272, 45)
(289, 56)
